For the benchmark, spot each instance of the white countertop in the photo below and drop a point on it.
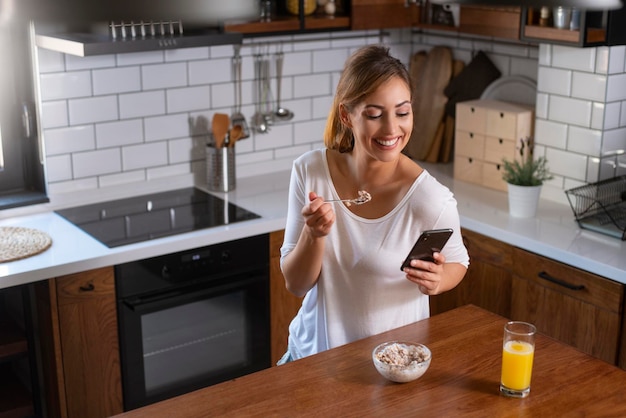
(553, 234)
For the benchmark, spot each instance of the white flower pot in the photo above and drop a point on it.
(523, 200)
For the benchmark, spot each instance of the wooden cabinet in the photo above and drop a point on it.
(487, 282)
(283, 304)
(573, 306)
(499, 22)
(576, 307)
(486, 132)
(80, 344)
(380, 14)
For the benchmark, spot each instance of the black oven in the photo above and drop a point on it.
(193, 319)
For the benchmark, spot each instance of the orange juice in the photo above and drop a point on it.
(517, 364)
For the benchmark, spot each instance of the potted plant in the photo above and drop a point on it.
(525, 176)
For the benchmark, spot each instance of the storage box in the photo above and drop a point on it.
(486, 132)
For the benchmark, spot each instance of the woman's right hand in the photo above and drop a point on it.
(318, 216)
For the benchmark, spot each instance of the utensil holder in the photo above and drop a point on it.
(220, 167)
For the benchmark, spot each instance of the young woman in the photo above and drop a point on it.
(345, 259)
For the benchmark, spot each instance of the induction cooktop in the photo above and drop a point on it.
(142, 218)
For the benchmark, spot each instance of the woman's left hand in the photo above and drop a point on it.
(427, 275)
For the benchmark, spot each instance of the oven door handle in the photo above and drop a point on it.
(181, 296)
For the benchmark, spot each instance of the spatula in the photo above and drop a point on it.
(220, 125)
(236, 132)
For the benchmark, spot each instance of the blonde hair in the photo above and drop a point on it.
(365, 70)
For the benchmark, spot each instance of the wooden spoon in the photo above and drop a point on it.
(236, 132)
(220, 124)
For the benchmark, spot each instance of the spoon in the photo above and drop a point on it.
(364, 197)
(281, 112)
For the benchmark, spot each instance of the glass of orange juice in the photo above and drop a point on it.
(518, 350)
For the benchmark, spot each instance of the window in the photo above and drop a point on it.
(21, 170)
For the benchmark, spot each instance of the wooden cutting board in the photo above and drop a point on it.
(432, 75)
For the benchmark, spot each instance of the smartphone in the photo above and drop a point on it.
(429, 242)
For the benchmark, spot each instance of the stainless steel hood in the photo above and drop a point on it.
(87, 44)
(84, 28)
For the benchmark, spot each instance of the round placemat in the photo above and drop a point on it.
(17, 242)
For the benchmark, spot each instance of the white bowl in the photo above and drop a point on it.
(401, 361)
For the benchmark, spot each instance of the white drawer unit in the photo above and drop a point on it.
(486, 132)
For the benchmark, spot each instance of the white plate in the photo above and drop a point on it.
(515, 88)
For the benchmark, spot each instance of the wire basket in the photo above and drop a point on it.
(601, 206)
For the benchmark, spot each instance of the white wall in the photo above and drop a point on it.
(127, 118)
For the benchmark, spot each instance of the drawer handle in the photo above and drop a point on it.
(563, 283)
(89, 288)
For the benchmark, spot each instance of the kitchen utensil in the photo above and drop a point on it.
(237, 118)
(258, 120)
(236, 133)
(220, 125)
(268, 112)
(281, 113)
(364, 197)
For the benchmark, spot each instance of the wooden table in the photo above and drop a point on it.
(463, 380)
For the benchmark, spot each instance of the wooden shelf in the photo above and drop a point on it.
(12, 340)
(326, 22)
(564, 35)
(15, 399)
(278, 24)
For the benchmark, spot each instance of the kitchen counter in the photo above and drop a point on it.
(463, 380)
(553, 233)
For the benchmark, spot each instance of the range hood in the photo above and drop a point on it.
(87, 44)
(97, 27)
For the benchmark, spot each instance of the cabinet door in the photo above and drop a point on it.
(487, 282)
(283, 305)
(573, 306)
(80, 341)
(380, 14)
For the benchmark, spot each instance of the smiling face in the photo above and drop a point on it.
(383, 121)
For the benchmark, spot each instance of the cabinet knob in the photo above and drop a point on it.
(560, 282)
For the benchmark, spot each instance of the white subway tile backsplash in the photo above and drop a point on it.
(93, 109)
(602, 60)
(611, 116)
(312, 85)
(616, 58)
(210, 71)
(162, 76)
(321, 107)
(65, 85)
(108, 180)
(329, 60)
(50, 61)
(168, 126)
(70, 139)
(298, 63)
(584, 141)
(309, 132)
(597, 115)
(58, 168)
(137, 105)
(616, 87)
(222, 95)
(567, 164)
(589, 86)
(279, 136)
(187, 54)
(551, 134)
(541, 107)
(574, 58)
(116, 80)
(95, 163)
(152, 154)
(183, 150)
(174, 170)
(73, 63)
(188, 99)
(54, 114)
(119, 133)
(572, 111)
(90, 183)
(545, 55)
(614, 140)
(139, 58)
(554, 81)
